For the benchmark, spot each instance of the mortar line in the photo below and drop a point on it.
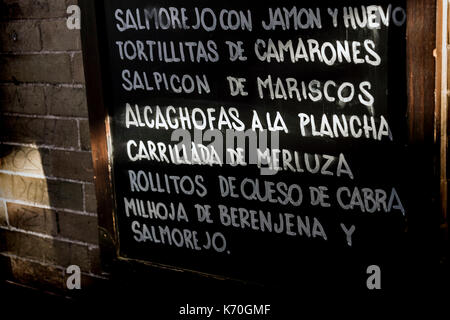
(42, 206)
(90, 246)
(42, 146)
(5, 207)
(45, 84)
(45, 116)
(78, 133)
(41, 41)
(38, 176)
(83, 189)
(35, 53)
(45, 264)
(37, 19)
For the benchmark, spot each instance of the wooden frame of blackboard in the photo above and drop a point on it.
(420, 77)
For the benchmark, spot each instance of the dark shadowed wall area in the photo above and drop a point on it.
(48, 215)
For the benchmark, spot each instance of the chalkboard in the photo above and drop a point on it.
(266, 143)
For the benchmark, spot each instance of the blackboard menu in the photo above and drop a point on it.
(263, 141)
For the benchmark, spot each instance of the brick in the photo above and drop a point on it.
(24, 159)
(47, 250)
(26, 9)
(32, 273)
(65, 195)
(59, 194)
(33, 219)
(55, 223)
(90, 198)
(19, 36)
(85, 137)
(77, 67)
(55, 132)
(21, 99)
(72, 165)
(3, 218)
(69, 102)
(78, 227)
(51, 68)
(22, 188)
(57, 37)
(94, 257)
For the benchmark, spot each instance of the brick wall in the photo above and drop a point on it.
(47, 201)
